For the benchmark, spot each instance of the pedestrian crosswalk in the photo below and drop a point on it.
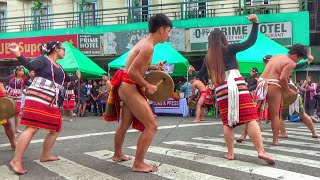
(288, 159)
(235, 165)
(277, 148)
(73, 171)
(6, 174)
(186, 156)
(293, 131)
(299, 138)
(164, 170)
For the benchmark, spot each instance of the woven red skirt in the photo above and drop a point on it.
(39, 115)
(69, 103)
(247, 109)
(18, 103)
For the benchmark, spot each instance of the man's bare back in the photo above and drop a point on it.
(279, 68)
(199, 85)
(275, 66)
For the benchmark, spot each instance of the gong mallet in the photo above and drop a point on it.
(161, 81)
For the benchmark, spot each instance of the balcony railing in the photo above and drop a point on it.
(175, 11)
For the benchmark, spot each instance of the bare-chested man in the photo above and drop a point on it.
(203, 91)
(285, 110)
(134, 104)
(274, 81)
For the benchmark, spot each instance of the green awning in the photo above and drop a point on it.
(74, 60)
(162, 51)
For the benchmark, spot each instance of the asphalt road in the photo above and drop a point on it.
(181, 150)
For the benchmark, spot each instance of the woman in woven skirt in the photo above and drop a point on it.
(16, 84)
(40, 109)
(69, 101)
(231, 90)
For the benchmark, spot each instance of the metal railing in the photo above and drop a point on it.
(124, 15)
(273, 6)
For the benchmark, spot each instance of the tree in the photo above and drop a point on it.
(136, 2)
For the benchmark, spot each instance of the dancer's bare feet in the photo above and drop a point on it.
(202, 119)
(48, 158)
(17, 167)
(315, 135)
(276, 143)
(18, 131)
(71, 120)
(240, 140)
(196, 120)
(229, 156)
(283, 135)
(267, 159)
(144, 168)
(121, 158)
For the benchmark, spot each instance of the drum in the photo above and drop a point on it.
(8, 108)
(193, 105)
(164, 83)
(287, 100)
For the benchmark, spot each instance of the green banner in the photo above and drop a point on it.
(280, 32)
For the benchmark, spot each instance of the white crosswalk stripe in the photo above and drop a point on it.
(6, 174)
(292, 136)
(317, 127)
(294, 132)
(305, 129)
(73, 171)
(235, 165)
(289, 159)
(289, 142)
(278, 148)
(164, 170)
